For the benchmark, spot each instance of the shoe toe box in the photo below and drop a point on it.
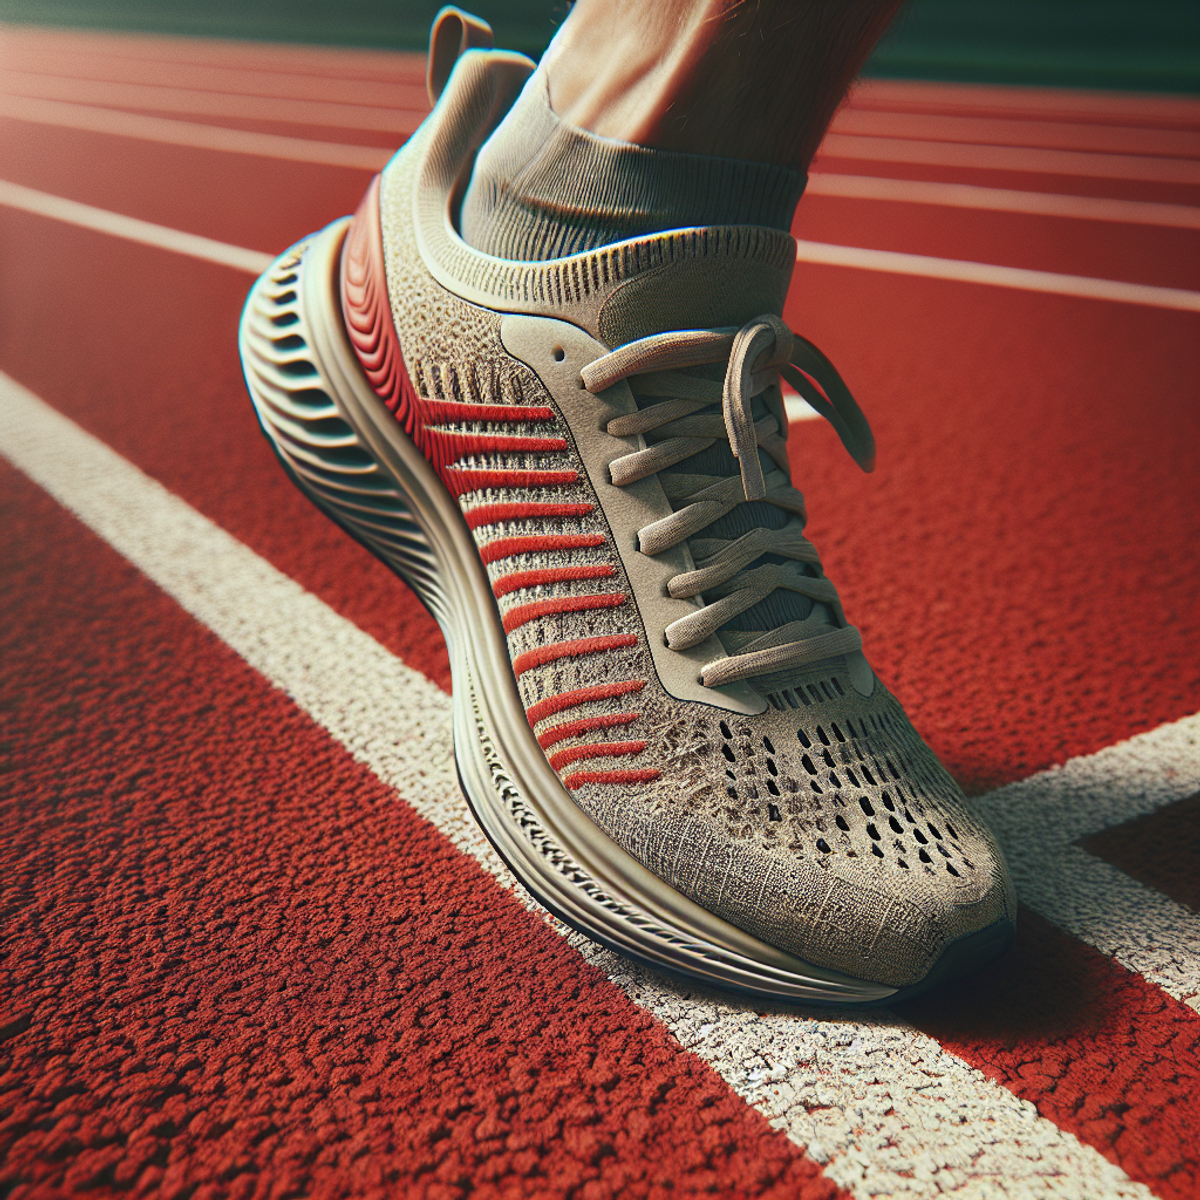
(841, 840)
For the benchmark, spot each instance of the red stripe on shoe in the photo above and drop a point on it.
(569, 729)
(455, 445)
(367, 312)
(508, 547)
(461, 482)
(580, 778)
(524, 613)
(516, 580)
(596, 750)
(494, 514)
(366, 308)
(434, 412)
(574, 649)
(564, 700)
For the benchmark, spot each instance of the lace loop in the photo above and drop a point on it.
(760, 345)
(681, 415)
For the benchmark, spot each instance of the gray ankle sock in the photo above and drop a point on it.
(544, 189)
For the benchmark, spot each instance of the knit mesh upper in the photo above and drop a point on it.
(823, 824)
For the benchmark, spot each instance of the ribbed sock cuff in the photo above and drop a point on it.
(544, 189)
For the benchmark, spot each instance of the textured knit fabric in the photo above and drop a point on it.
(795, 804)
(544, 189)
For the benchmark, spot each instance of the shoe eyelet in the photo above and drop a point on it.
(559, 353)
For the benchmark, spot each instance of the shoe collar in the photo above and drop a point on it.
(679, 279)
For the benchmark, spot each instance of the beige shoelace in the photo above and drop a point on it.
(757, 354)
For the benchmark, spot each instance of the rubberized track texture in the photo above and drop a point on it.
(253, 945)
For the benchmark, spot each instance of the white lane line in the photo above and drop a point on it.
(795, 405)
(404, 86)
(1042, 817)
(196, 102)
(991, 129)
(1011, 158)
(58, 208)
(966, 195)
(883, 1106)
(887, 261)
(895, 263)
(193, 134)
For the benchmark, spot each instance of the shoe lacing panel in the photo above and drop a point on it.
(680, 409)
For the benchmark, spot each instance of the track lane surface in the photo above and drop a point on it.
(1014, 423)
(129, 434)
(411, 1022)
(915, 1102)
(231, 197)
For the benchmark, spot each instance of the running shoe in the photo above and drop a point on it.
(662, 719)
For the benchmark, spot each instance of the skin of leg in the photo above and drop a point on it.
(753, 79)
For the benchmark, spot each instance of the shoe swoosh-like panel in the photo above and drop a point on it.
(557, 351)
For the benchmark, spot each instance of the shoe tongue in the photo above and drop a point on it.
(696, 279)
(711, 278)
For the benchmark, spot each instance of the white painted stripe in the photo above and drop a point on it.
(895, 263)
(188, 133)
(1011, 158)
(795, 405)
(966, 195)
(198, 102)
(888, 261)
(1038, 820)
(59, 208)
(883, 1106)
(992, 129)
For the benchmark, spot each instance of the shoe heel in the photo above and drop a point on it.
(292, 381)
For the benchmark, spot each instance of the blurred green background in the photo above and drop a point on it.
(1147, 45)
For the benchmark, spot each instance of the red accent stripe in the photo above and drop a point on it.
(564, 700)
(508, 547)
(516, 580)
(460, 482)
(583, 777)
(574, 649)
(367, 310)
(452, 411)
(596, 750)
(493, 514)
(524, 613)
(556, 733)
(453, 444)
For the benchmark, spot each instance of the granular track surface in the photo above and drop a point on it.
(250, 950)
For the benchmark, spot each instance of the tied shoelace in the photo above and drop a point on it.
(680, 411)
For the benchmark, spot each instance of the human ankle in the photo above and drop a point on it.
(543, 188)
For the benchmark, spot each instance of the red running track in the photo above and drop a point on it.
(236, 964)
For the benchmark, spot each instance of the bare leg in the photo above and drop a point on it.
(648, 115)
(732, 78)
